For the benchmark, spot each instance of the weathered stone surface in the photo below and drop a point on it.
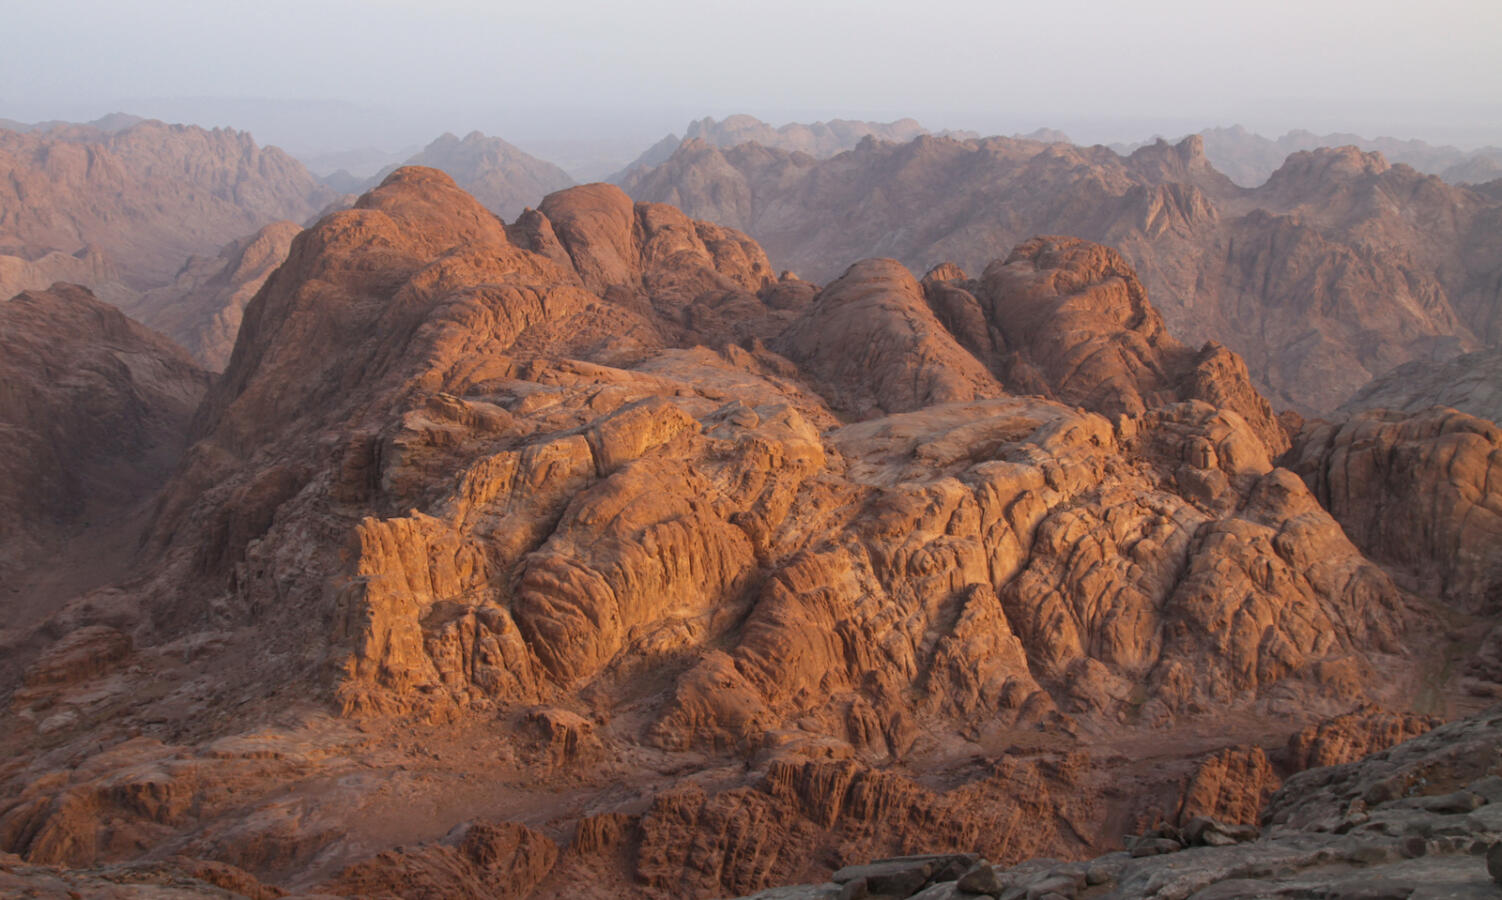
(1471, 383)
(872, 346)
(1416, 492)
(484, 860)
(560, 523)
(1231, 786)
(1347, 738)
(1415, 844)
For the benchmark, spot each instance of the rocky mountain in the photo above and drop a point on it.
(143, 198)
(817, 139)
(87, 266)
(94, 409)
(1250, 159)
(1471, 383)
(202, 307)
(1337, 269)
(588, 557)
(503, 177)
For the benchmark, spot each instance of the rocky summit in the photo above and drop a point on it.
(1336, 269)
(590, 556)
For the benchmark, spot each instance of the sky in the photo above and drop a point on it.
(325, 75)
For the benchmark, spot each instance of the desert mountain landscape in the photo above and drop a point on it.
(588, 556)
(130, 208)
(1337, 269)
(867, 492)
(145, 197)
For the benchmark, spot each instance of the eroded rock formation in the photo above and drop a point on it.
(588, 546)
(1337, 269)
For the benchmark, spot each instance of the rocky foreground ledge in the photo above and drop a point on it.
(1419, 820)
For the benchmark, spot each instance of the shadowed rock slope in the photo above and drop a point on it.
(1334, 271)
(1471, 383)
(94, 411)
(202, 307)
(585, 557)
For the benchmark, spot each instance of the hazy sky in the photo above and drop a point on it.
(389, 72)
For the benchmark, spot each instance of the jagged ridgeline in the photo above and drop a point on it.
(1332, 271)
(586, 556)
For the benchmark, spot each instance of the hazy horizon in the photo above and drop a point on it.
(335, 75)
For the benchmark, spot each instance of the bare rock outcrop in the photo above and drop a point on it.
(873, 346)
(1420, 819)
(1347, 738)
(1230, 786)
(484, 859)
(590, 525)
(202, 307)
(1416, 492)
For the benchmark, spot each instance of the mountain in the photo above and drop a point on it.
(202, 307)
(86, 266)
(1249, 159)
(1471, 383)
(94, 410)
(1337, 269)
(504, 178)
(144, 197)
(817, 139)
(587, 556)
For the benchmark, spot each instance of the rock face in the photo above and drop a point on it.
(1337, 269)
(1420, 819)
(1471, 383)
(504, 178)
(661, 574)
(145, 197)
(94, 411)
(202, 307)
(1417, 492)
